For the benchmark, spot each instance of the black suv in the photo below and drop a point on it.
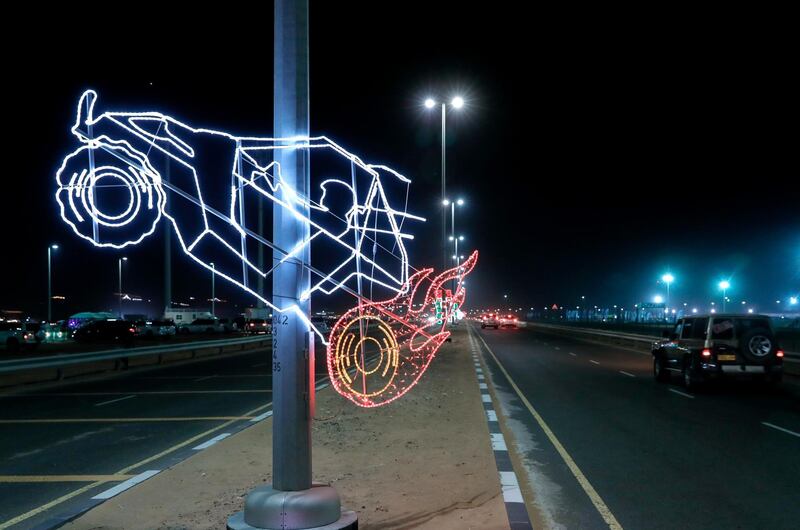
(713, 346)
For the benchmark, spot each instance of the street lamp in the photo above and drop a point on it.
(50, 283)
(457, 103)
(119, 267)
(724, 285)
(213, 295)
(668, 279)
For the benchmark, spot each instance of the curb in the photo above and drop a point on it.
(516, 510)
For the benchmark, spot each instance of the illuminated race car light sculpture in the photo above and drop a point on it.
(135, 168)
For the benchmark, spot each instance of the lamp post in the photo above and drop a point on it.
(119, 268)
(724, 285)
(213, 295)
(457, 102)
(667, 279)
(50, 282)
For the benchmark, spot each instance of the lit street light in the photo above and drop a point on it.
(668, 279)
(457, 103)
(119, 266)
(50, 282)
(724, 285)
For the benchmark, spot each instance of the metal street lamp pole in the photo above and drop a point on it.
(119, 266)
(444, 188)
(50, 283)
(291, 502)
(213, 295)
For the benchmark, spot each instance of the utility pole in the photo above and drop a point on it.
(213, 294)
(291, 501)
(167, 250)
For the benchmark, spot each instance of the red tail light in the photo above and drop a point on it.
(779, 353)
(132, 330)
(706, 353)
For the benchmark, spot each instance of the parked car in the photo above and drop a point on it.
(229, 325)
(14, 336)
(115, 331)
(256, 326)
(155, 328)
(715, 346)
(201, 325)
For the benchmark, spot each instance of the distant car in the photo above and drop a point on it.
(202, 325)
(508, 321)
(15, 337)
(714, 346)
(490, 320)
(229, 325)
(114, 331)
(52, 332)
(155, 328)
(256, 326)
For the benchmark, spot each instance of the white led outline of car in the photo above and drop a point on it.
(81, 170)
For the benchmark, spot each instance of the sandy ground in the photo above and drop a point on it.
(424, 461)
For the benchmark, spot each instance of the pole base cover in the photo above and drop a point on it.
(316, 508)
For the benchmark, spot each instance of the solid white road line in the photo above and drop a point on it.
(113, 401)
(684, 394)
(212, 441)
(593, 361)
(787, 431)
(598, 502)
(122, 486)
(623, 372)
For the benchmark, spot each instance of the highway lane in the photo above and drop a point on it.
(58, 441)
(655, 455)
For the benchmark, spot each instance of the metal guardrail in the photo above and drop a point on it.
(71, 359)
(649, 339)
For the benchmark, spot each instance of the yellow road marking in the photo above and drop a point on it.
(68, 496)
(63, 478)
(124, 420)
(601, 506)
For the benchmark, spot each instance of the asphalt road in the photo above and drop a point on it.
(646, 455)
(60, 447)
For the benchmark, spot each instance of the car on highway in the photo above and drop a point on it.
(256, 326)
(112, 331)
(508, 321)
(14, 336)
(490, 320)
(229, 325)
(702, 348)
(201, 325)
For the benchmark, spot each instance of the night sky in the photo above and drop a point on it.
(591, 160)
